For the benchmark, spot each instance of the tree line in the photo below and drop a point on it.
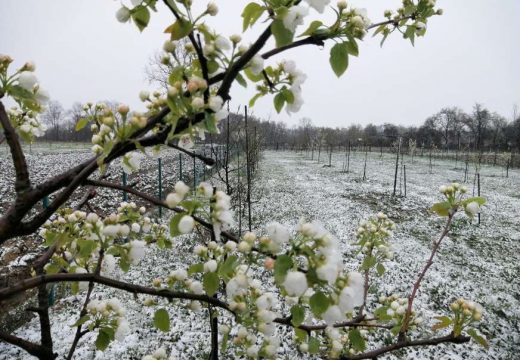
(449, 129)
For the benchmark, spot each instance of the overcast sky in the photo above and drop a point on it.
(470, 54)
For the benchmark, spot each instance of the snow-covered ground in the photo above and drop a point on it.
(478, 262)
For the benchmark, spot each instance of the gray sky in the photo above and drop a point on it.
(470, 54)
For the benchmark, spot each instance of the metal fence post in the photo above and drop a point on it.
(180, 166)
(160, 185)
(124, 178)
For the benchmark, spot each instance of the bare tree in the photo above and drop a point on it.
(54, 117)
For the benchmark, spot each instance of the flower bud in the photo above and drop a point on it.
(212, 9)
(123, 14)
(169, 46)
(123, 109)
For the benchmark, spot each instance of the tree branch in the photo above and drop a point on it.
(32, 348)
(116, 284)
(23, 182)
(408, 343)
(417, 283)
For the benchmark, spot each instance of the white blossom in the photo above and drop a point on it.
(294, 17)
(27, 80)
(181, 188)
(318, 5)
(131, 162)
(196, 287)
(111, 230)
(215, 103)
(473, 208)
(179, 274)
(172, 200)
(136, 227)
(222, 43)
(295, 283)
(186, 224)
(137, 250)
(278, 234)
(210, 266)
(328, 272)
(333, 315)
(257, 64)
(197, 103)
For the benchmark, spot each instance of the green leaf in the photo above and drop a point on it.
(478, 199)
(174, 224)
(410, 33)
(444, 322)
(312, 28)
(319, 303)
(241, 80)
(479, 339)
(225, 339)
(352, 47)
(124, 264)
(314, 345)
(281, 34)
(227, 269)
(339, 58)
(382, 313)
(102, 340)
(141, 17)
(442, 208)
(254, 98)
(301, 334)
(195, 268)
(161, 320)
(298, 315)
(282, 265)
(81, 320)
(251, 14)
(368, 262)
(253, 77)
(81, 124)
(86, 247)
(279, 101)
(210, 281)
(357, 341)
(380, 269)
(288, 95)
(179, 29)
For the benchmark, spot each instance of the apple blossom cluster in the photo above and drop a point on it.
(108, 317)
(26, 123)
(454, 195)
(81, 238)
(284, 80)
(23, 86)
(373, 236)
(411, 19)
(466, 312)
(393, 311)
(109, 126)
(312, 271)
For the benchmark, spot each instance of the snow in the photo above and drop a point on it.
(479, 263)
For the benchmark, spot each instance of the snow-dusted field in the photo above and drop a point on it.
(476, 262)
